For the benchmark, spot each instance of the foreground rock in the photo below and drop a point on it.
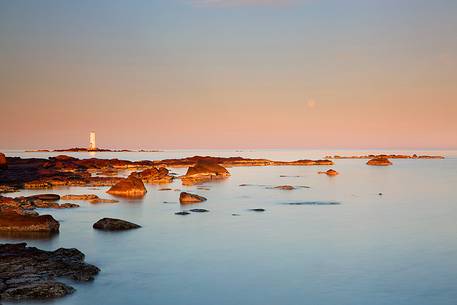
(379, 162)
(11, 221)
(203, 171)
(330, 172)
(128, 187)
(30, 273)
(113, 224)
(185, 198)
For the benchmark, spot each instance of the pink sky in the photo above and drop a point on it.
(177, 75)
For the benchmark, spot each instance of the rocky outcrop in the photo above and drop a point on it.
(3, 162)
(187, 198)
(113, 224)
(154, 175)
(13, 222)
(30, 273)
(203, 171)
(236, 161)
(380, 161)
(128, 187)
(330, 172)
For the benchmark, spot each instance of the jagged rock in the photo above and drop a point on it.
(29, 273)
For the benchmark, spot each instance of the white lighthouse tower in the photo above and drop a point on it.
(92, 145)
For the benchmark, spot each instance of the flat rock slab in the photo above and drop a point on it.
(30, 273)
(113, 224)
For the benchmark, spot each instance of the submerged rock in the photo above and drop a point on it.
(379, 162)
(29, 273)
(257, 210)
(199, 210)
(113, 224)
(284, 187)
(313, 203)
(190, 198)
(129, 187)
(182, 213)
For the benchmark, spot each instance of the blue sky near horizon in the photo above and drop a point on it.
(222, 74)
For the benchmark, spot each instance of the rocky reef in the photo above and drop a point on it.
(30, 273)
(388, 156)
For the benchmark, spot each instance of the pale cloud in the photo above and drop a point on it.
(310, 103)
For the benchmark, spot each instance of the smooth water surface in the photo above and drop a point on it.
(399, 248)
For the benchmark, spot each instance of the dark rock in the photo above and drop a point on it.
(257, 210)
(29, 273)
(113, 224)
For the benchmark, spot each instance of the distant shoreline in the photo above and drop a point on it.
(80, 149)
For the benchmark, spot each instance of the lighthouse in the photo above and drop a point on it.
(92, 145)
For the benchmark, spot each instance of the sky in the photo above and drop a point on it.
(183, 74)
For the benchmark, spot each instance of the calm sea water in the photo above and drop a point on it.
(398, 248)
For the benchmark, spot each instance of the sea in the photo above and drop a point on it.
(369, 236)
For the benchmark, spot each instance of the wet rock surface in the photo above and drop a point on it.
(128, 187)
(113, 224)
(31, 273)
(185, 198)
